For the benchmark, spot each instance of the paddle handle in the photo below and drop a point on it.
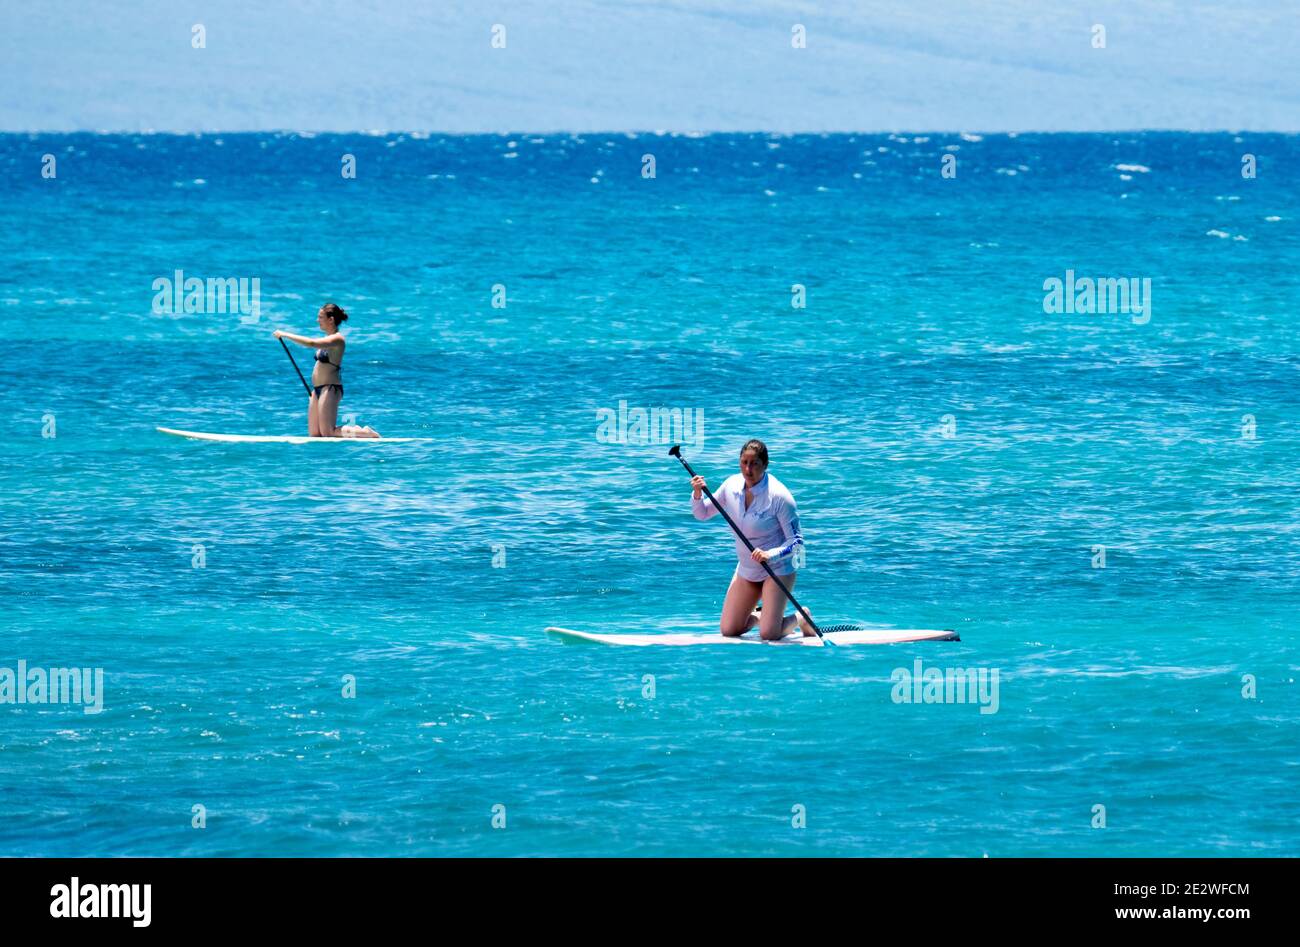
(296, 368)
(676, 451)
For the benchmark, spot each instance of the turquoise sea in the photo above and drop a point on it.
(961, 458)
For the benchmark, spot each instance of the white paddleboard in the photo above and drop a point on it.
(288, 438)
(859, 636)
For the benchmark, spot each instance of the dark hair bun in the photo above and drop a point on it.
(758, 447)
(335, 313)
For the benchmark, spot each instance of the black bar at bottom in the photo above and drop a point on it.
(333, 897)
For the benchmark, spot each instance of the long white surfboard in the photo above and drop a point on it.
(287, 438)
(857, 636)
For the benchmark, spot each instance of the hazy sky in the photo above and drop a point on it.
(693, 65)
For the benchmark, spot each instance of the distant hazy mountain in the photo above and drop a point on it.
(692, 65)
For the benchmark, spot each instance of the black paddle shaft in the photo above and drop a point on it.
(296, 368)
(676, 451)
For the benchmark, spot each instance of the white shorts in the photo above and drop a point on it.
(751, 571)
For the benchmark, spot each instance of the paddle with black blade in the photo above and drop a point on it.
(296, 368)
(676, 451)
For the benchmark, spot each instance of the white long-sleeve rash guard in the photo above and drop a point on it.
(771, 523)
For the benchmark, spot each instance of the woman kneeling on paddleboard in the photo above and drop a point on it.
(326, 380)
(765, 511)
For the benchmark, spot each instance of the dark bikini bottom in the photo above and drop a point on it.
(319, 388)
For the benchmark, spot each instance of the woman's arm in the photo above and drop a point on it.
(788, 517)
(308, 340)
(701, 508)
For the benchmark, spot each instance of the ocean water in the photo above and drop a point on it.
(1104, 505)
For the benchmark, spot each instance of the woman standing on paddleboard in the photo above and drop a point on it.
(326, 377)
(765, 511)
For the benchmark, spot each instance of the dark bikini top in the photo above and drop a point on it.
(323, 355)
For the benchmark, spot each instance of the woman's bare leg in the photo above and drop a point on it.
(807, 629)
(313, 417)
(737, 610)
(774, 623)
(327, 413)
